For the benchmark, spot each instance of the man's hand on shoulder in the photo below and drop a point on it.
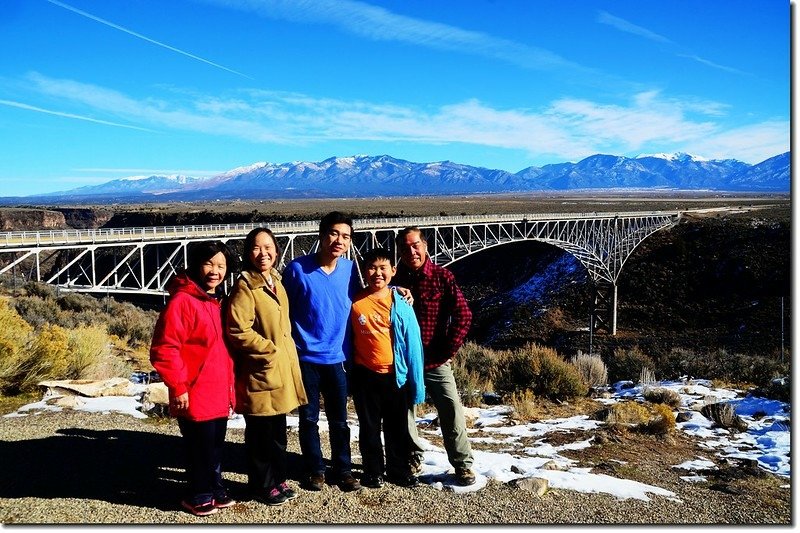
(405, 294)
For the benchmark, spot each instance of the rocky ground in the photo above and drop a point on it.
(82, 468)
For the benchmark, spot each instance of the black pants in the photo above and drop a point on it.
(379, 402)
(265, 441)
(204, 442)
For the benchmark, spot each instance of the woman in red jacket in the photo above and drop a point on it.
(190, 355)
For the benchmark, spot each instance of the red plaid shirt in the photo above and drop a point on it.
(442, 312)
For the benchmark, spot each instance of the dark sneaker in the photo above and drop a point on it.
(348, 483)
(315, 481)
(272, 497)
(465, 476)
(223, 501)
(287, 491)
(203, 509)
(373, 482)
(409, 480)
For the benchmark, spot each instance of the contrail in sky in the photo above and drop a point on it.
(20, 105)
(140, 36)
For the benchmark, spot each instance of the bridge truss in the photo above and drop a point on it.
(142, 260)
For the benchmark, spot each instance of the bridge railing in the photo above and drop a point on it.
(212, 231)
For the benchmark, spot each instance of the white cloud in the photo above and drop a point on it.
(143, 37)
(628, 27)
(379, 24)
(752, 143)
(568, 128)
(21, 105)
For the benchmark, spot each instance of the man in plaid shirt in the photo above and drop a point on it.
(444, 319)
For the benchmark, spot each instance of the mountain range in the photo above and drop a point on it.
(365, 176)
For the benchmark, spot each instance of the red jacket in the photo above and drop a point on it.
(189, 351)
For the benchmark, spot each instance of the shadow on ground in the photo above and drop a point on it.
(143, 469)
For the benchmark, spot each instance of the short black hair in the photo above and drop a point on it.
(401, 235)
(200, 252)
(250, 241)
(376, 254)
(333, 218)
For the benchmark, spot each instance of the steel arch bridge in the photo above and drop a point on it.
(142, 260)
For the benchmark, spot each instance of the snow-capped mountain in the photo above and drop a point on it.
(365, 176)
(137, 185)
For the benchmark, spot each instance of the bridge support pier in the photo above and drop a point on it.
(604, 307)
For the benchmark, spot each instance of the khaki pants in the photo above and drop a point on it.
(440, 386)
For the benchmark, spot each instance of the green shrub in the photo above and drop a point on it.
(591, 368)
(540, 370)
(627, 364)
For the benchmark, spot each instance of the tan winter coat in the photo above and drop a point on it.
(268, 380)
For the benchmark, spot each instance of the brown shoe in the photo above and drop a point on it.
(315, 481)
(465, 476)
(348, 483)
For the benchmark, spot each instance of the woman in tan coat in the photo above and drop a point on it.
(268, 381)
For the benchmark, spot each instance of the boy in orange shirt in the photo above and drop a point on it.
(387, 372)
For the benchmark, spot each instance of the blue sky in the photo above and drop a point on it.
(96, 90)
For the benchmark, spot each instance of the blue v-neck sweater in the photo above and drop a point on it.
(319, 308)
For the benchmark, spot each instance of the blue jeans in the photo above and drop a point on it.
(330, 381)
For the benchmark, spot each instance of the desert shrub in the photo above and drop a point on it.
(75, 302)
(591, 368)
(473, 369)
(661, 395)
(629, 413)
(776, 389)
(724, 415)
(627, 364)
(723, 365)
(14, 337)
(45, 358)
(132, 324)
(37, 312)
(42, 290)
(89, 351)
(523, 405)
(477, 359)
(647, 376)
(540, 370)
(13, 328)
(662, 420)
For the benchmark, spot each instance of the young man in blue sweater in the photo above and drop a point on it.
(320, 288)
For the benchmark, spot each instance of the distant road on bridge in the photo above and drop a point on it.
(17, 239)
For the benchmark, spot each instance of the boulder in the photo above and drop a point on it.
(87, 387)
(536, 485)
